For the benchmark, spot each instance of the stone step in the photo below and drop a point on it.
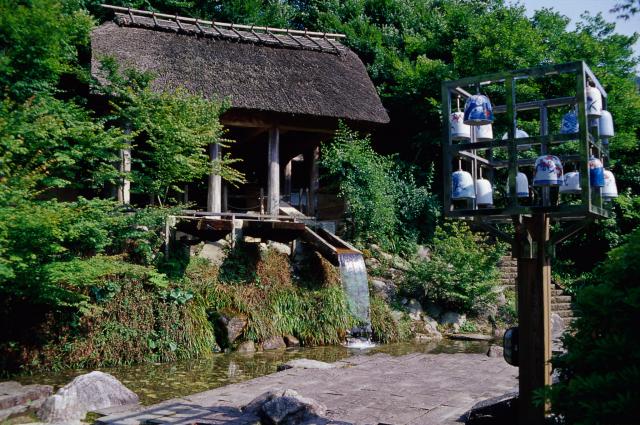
(559, 299)
(565, 314)
(16, 398)
(560, 306)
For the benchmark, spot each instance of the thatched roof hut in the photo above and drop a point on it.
(276, 76)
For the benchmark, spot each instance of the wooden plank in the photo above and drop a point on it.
(446, 146)
(314, 181)
(321, 245)
(536, 104)
(279, 231)
(205, 229)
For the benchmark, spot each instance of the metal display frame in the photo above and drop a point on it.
(532, 241)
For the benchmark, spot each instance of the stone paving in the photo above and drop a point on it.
(415, 389)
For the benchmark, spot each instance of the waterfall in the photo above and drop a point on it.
(353, 274)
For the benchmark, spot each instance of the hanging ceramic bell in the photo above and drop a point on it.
(484, 192)
(484, 133)
(520, 134)
(459, 130)
(522, 185)
(606, 124)
(548, 171)
(596, 172)
(571, 183)
(478, 110)
(610, 189)
(594, 102)
(569, 123)
(462, 185)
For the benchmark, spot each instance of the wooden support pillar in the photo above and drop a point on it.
(273, 190)
(534, 305)
(214, 188)
(124, 188)
(225, 197)
(287, 181)
(314, 182)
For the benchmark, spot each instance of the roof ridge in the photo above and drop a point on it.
(307, 40)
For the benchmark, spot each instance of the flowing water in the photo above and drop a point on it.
(353, 274)
(158, 382)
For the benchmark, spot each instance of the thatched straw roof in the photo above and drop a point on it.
(275, 74)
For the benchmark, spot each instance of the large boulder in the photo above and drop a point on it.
(415, 309)
(291, 341)
(215, 252)
(305, 364)
(246, 347)
(453, 319)
(285, 408)
(282, 248)
(384, 289)
(233, 326)
(95, 390)
(274, 343)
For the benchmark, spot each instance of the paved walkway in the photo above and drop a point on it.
(416, 389)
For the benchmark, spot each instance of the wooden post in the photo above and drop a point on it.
(214, 188)
(534, 305)
(124, 189)
(314, 182)
(273, 190)
(287, 181)
(225, 197)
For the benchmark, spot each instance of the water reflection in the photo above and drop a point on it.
(156, 382)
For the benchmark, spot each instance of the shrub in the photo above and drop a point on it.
(462, 272)
(600, 372)
(385, 328)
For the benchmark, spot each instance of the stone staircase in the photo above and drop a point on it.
(560, 299)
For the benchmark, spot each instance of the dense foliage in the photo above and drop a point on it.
(461, 273)
(385, 204)
(600, 378)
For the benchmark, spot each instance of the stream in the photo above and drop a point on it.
(155, 382)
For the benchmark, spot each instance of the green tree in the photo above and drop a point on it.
(599, 373)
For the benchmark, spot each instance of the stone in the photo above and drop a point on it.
(495, 351)
(215, 252)
(372, 263)
(282, 248)
(557, 326)
(433, 309)
(88, 392)
(285, 407)
(400, 264)
(397, 315)
(291, 341)
(501, 410)
(471, 337)
(423, 252)
(246, 347)
(305, 364)
(17, 399)
(431, 328)
(384, 289)
(415, 309)
(233, 326)
(453, 319)
(274, 343)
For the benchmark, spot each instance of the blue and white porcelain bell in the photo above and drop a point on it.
(569, 123)
(520, 134)
(571, 185)
(594, 102)
(610, 189)
(478, 110)
(462, 185)
(522, 185)
(596, 172)
(606, 124)
(459, 130)
(484, 133)
(548, 171)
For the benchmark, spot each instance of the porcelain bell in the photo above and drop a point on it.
(548, 171)
(484, 133)
(610, 189)
(484, 192)
(606, 124)
(462, 185)
(571, 183)
(459, 130)
(596, 172)
(594, 102)
(569, 123)
(478, 110)
(520, 134)
(522, 185)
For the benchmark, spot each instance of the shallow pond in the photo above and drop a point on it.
(156, 382)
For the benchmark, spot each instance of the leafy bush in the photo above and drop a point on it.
(462, 272)
(386, 328)
(600, 373)
(385, 205)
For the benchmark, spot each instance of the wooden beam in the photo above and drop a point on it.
(314, 181)
(287, 180)
(214, 188)
(273, 154)
(124, 188)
